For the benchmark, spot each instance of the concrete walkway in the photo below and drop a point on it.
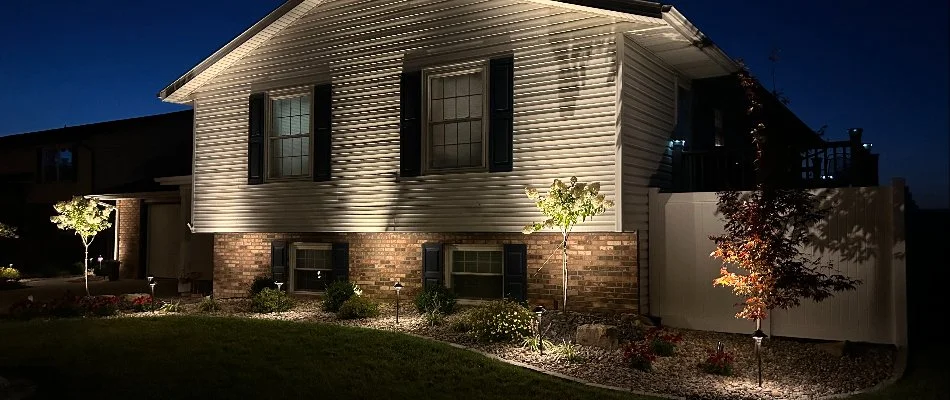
(45, 289)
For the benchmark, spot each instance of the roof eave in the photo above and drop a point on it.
(678, 21)
(273, 16)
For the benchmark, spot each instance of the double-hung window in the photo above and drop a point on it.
(456, 126)
(311, 267)
(289, 136)
(475, 272)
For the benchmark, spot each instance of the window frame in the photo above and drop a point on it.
(292, 264)
(58, 177)
(447, 70)
(447, 268)
(269, 117)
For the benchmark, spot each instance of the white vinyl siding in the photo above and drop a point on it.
(647, 121)
(565, 117)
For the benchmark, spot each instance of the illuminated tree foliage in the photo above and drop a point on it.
(86, 216)
(566, 205)
(7, 231)
(766, 230)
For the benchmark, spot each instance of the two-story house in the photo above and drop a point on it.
(392, 141)
(126, 156)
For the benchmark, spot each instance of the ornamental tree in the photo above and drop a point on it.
(7, 231)
(565, 206)
(86, 216)
(766, 230)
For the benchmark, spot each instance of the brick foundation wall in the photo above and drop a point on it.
(129, 238)
(602, 266)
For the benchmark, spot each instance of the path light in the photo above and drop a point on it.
(151, 284)
(397, 286)
(758, 335)
(279, 284)
(538, 311)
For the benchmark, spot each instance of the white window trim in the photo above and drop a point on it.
(452, 70)
(447, 270)
(279, 94)
(293, 263)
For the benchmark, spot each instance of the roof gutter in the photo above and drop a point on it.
(678, 21)
(228, 48)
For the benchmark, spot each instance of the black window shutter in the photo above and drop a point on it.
(340, 260)
(501, 105)
(322, 109)
(410, 124)
(516, 272)
(278, 262)
(257, 116)
(72, 171)
(433, 271)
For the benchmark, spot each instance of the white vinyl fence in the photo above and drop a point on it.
(863, 237)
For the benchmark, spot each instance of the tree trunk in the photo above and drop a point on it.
(85, 269)
(564, 268)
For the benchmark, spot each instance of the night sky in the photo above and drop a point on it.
(841, 63)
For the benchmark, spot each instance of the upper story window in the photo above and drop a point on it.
(57, 164)
(456, 128)
(289, 136)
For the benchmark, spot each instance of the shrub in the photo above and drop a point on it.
(663, 343)
(567, 351)
(171, 307)
(271, 300)
(337, 293)
(208, 305)
(501, 321)
(28, 309)
(358, 307)
(65, 307)
(261, 283)
(99, 306)
(435, 298)
(136, 303)
(461, 323)
(9, 278)
(9, 273)
(719, 362)
(533, 343)
(639, 355)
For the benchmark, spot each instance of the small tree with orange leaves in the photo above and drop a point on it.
(766, 230)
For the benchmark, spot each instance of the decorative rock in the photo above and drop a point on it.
(598, 335)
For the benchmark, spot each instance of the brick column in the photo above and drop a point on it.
(128, 219)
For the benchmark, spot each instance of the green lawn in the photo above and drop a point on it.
(226, 358)
(189, 357)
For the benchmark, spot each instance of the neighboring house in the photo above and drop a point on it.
(114, 157)
(393, 142)
(713, 151)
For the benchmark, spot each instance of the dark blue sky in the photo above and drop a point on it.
(842, 64)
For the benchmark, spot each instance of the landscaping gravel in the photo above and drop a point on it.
(791, 369)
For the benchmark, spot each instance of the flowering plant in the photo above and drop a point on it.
(100, 306)
(639, 355)
(719, 362)
(663, 342)
(501, 321)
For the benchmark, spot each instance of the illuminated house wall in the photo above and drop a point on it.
(594, 97)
